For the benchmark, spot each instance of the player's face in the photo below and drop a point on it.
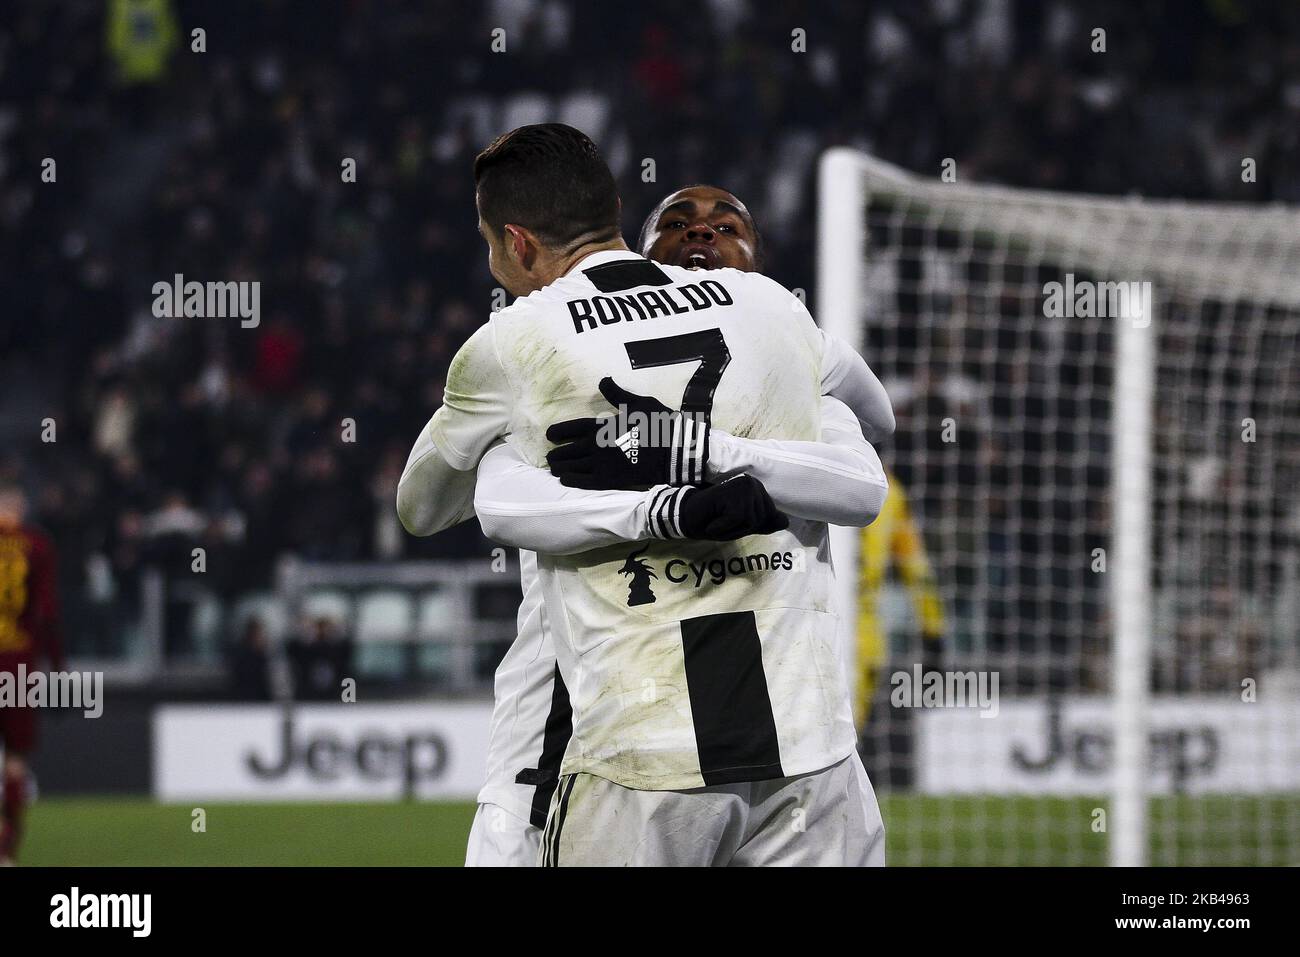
(702, 227)
(13, 507)
(505, 268)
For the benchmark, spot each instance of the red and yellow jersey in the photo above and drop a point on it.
(29, 619)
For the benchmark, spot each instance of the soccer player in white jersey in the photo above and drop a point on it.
(701, 227)
(727, 687)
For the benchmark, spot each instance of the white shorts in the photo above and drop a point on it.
(499, 839)
(825, 818)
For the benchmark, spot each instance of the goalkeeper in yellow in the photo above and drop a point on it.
(893, 539)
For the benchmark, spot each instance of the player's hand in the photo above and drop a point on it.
(644, 443)
(732, 509)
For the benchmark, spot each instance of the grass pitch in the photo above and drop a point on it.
(919, 830)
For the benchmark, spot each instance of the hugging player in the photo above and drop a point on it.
(837, 478)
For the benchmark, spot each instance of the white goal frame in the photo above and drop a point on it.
(841, 277)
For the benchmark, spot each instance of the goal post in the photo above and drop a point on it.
(1098, 453)
(1130, 588)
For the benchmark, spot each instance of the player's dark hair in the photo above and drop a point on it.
(550, 179)
(643, 239)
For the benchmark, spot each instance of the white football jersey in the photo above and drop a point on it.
(687, 663)
(531, 720)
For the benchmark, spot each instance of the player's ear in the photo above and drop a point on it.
(521, 244)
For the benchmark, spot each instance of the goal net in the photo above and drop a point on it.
(1075, 630)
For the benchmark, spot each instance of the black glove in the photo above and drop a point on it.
(643, 444)
(735, 508)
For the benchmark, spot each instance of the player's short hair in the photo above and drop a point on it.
(643, 239)
(550, 179)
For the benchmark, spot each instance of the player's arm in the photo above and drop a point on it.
(839, 479)
(436, 490)
(526, 507)
(847, 377)
(433, 495)
(844, 374)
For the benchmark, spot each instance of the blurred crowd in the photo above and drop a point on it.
(227, 164)
(319, 656)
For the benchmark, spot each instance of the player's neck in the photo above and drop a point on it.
(565, 264)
